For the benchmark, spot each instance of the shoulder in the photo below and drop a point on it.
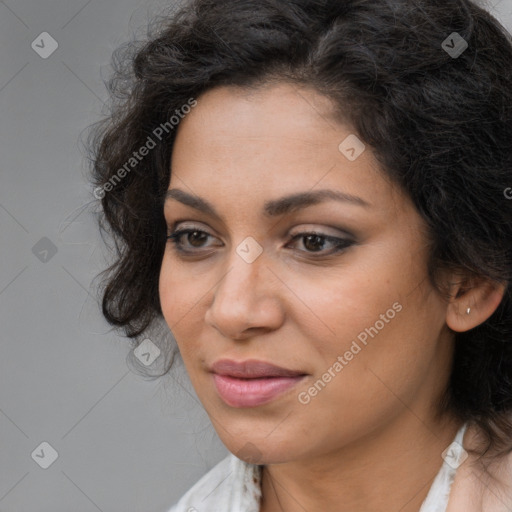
(231, 486)
(482, 485)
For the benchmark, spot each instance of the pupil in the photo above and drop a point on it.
(195, 235)
(314, 237)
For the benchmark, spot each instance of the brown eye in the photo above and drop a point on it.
(196, 237)
(186, 240)
(315, 243)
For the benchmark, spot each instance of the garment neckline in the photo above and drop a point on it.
(439, 493)
(436, 499)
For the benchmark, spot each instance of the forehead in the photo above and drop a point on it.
(267, 111)
(267, 142)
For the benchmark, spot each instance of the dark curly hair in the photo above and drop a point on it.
(439, 122)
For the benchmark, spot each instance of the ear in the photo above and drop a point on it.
(480, 296)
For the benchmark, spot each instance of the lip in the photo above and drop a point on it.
(252, 383)
(251, 369)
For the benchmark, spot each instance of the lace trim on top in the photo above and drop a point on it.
(454, 456)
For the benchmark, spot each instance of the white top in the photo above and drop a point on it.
(235, 486)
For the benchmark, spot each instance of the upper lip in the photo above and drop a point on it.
(251, 369)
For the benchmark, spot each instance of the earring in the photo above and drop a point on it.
(468, 311)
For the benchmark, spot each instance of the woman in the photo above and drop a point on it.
(313, 196)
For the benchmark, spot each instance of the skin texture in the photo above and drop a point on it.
(370, 439)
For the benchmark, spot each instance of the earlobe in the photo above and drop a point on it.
(473, 305)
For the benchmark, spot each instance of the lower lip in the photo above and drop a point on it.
(252, 392)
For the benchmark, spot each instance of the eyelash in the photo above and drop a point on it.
(340, 244)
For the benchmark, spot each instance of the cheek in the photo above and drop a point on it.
(167, 292)
(378, 319)
(342, 304)
(179, 296)
(385, 360)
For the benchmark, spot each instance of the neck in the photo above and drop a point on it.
(390, 469)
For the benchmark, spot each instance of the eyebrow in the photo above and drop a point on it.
(272, 208)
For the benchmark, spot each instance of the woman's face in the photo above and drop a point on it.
(332, 289)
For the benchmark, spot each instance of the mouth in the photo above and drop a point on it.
(252, 383)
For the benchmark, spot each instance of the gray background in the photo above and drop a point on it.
(124, 442)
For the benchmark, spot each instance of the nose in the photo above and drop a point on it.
(246, 300)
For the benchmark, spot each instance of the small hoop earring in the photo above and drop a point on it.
(468, 311)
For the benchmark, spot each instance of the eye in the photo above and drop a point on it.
(313, 242)
(195, 237)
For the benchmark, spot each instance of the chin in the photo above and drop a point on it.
(256, 454)
(254, 448)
